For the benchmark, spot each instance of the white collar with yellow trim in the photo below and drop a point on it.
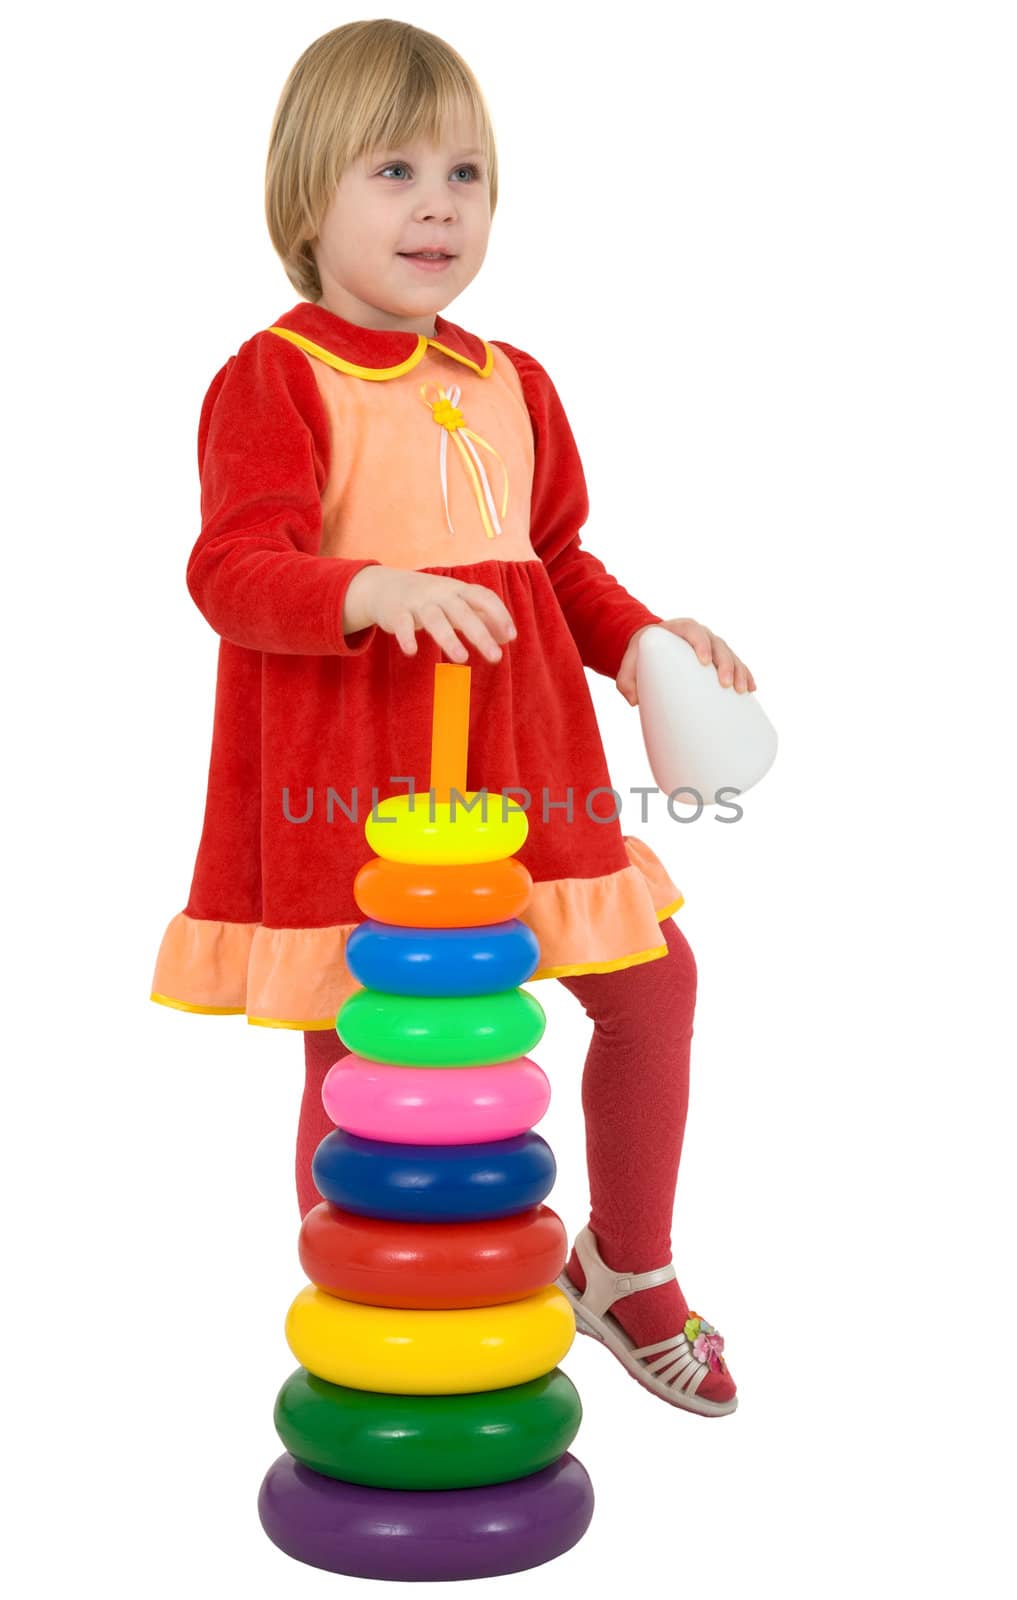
(375, 352)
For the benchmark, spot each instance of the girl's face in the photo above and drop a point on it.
(390, 203)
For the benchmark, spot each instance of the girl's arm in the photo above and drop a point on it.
(263, 460)
(602, 616)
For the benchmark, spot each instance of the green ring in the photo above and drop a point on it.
(410, 1030)
(432, 1441)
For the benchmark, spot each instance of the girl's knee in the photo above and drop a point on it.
(652, 995)
(680, 959)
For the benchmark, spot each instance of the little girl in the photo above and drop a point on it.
(371, 472)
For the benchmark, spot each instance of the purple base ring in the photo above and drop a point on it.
(421, 1535)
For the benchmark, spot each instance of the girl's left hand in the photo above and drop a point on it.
(709, 647)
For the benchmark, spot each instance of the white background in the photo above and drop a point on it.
(767, 252)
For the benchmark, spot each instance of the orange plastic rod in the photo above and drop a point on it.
(450, 729)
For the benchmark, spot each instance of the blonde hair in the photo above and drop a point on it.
(364, 85)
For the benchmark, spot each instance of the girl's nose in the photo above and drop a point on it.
(439, 205)
(437, 212)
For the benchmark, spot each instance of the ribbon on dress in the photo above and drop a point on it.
(444, 408)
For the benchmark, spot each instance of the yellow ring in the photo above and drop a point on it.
(450, 837)
(396, 1351)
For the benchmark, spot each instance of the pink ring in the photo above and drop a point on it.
(435, 1105)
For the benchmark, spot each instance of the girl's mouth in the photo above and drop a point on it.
(428, 263)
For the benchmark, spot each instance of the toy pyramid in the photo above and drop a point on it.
(428, 1424)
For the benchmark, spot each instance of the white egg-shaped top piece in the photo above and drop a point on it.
(698, 734)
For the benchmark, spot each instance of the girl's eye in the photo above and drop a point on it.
(401, 166)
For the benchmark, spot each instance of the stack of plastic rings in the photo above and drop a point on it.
(427, 1427)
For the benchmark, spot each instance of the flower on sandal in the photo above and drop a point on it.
(707, 1344)
(709, 1347)
(696, 1325)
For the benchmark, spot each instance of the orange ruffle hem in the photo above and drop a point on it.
(298, 977)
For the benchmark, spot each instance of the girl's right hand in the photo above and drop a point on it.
(401, 601)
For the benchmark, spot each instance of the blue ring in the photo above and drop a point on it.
(433, 1183)
(442, 961)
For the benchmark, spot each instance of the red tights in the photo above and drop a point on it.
(635, 1095)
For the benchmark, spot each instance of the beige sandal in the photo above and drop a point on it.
(670, 1368)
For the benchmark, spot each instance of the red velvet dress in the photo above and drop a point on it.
(317, 458)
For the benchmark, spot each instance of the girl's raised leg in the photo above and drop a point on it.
(635, 1096)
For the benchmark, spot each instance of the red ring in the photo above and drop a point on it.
(432, 1266)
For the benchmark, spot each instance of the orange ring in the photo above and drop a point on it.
(415, 895)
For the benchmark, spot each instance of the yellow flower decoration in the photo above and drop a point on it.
(447, 415)
(692, 1329)
(444, 408)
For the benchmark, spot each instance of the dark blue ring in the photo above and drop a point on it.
(433, 1183)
